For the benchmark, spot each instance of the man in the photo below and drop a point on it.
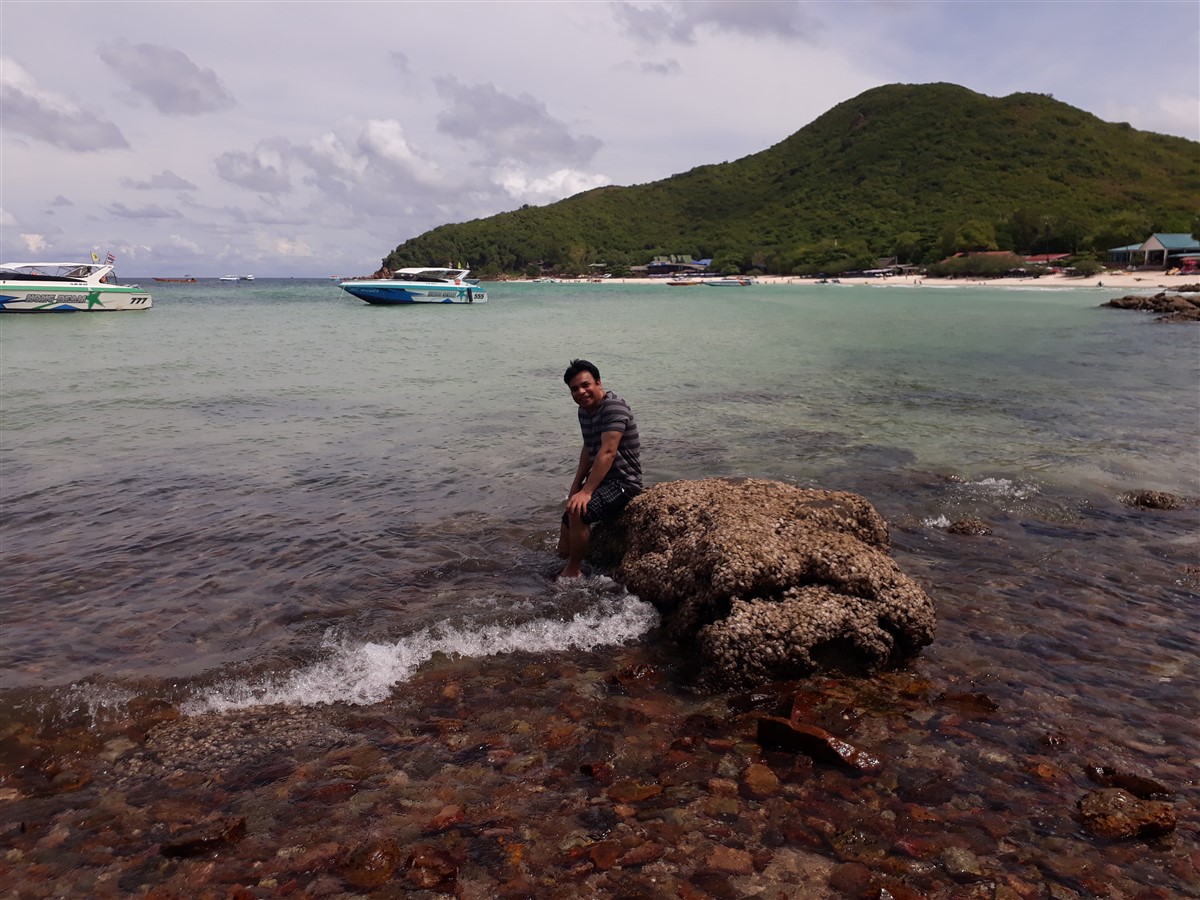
(609, 473)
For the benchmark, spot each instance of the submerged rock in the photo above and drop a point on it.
(772, 581)
(1151, 500)
(1116, 814)
(775, 733)
(970, 526)
(205, 838)
(1140, 786)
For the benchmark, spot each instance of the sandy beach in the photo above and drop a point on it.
(1120, 281)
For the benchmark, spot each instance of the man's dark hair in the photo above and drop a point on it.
(577, 366)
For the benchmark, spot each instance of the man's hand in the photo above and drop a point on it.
(578, 502)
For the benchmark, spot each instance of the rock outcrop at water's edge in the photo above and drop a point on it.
(1170, 307)
(772, 581)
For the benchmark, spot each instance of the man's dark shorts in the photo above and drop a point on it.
(607, 502)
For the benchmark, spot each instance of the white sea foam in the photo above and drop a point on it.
(936, 522)
(97, 703)
(1003, 487)
(362, 673)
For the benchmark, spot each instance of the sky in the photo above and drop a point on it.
(309, 139)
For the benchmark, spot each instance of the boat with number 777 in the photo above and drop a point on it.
(53, 287)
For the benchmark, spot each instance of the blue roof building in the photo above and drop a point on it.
(1162, 250)
(1166, 250)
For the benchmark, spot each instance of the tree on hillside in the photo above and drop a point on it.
(1023, 230)
(911, 247)
(975, 235)
(1121, 230)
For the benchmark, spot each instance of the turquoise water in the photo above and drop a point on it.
(274, 491)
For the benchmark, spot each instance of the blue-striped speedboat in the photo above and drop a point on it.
(417, 286)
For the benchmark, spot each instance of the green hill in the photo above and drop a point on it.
(915, 171)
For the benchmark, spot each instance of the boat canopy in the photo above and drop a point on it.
(73, 269)
(426, 272)
(49, 265)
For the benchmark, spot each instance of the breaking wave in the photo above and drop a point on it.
(366, 672)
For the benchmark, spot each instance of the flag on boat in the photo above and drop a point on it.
(95, 258)
(110, 259)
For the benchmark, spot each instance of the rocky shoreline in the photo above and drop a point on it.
(1169, 307)
(594, 778)
(612, 775)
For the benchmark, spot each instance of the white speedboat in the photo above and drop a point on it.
(417, 286)
(66, 287)
(729, 282)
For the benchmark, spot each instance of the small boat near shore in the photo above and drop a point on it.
(41, 287)
(728, 282)
(417, 285)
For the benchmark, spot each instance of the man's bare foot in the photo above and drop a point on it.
(570, 572)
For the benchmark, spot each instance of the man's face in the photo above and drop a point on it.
(586, 391)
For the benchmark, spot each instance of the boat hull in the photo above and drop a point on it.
(61, 298)
(384, 293)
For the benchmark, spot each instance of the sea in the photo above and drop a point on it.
(270, 494)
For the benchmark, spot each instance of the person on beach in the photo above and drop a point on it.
(609, 473)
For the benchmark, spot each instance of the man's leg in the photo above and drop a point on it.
(578, 533)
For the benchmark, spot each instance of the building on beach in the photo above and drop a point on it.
(1159, 251)
(677, 264)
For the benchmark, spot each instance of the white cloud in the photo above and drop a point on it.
(400, 61)
(7, 219)
(179, 245)
(509, 127)
(150, 211)
(1175, 114)
(34, 243)
(662, 67)
(264, 169)
(563, 183)
(383, 141)
(288, 248)
(51, 117)
(336, 169)
(167, 78)
(687, 21)
(164, 180)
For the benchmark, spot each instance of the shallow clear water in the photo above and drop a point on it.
(273, 491)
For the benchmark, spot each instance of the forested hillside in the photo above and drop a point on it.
(914, 171)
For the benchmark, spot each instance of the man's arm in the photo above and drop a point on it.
(581, 471)
(609, 441)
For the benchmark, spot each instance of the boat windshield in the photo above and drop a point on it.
(427, 275)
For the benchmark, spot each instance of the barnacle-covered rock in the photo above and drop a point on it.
(770, 580)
